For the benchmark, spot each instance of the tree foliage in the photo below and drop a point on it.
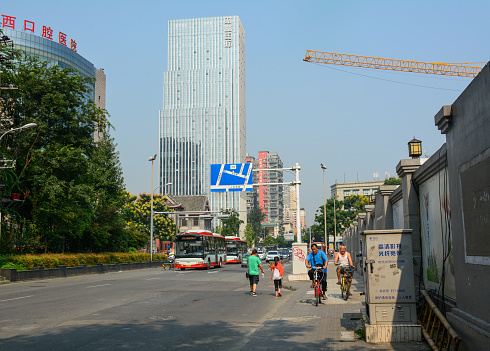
(137, 214)
(393, 181)
(70, 187)
(231, 225)
(250, 235)
(345, 213)
(255, 217)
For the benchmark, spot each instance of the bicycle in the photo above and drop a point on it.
(317, 276)
(345, 279)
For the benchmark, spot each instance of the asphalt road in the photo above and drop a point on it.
(136, 310)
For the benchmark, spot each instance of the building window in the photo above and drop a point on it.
(183, 222)
(366, 192)
(196, 222)
(355, 192)
(346, 193)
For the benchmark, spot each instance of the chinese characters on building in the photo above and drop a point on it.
(228, 30)
(46, 32)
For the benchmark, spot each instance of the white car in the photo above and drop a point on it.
(270, 256)
(261, 255)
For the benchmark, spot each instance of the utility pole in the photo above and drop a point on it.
(324, 207)
(334, 221)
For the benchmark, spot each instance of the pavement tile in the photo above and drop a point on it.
(300, 325)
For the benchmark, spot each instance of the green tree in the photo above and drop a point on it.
(269, 240)
(71, 186)
(393, 181)
(231, 225)
(250, 235)
(345, 213)
(255, 217)
(137, 213)
(281, 242)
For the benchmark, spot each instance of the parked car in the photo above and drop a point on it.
(271, 254)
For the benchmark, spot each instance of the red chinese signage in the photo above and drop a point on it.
(46, 32)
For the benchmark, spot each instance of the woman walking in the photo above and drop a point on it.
(276, 273)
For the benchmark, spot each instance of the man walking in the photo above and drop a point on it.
(253, 271)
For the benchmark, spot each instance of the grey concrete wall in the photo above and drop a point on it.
(467, 128)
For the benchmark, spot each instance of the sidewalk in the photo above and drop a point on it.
(300, 325)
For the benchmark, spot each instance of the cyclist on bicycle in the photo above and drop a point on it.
(342, 259)
(314, 259)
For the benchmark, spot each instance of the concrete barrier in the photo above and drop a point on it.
(14, 275)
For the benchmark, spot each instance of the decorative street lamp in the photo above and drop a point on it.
(414, 148)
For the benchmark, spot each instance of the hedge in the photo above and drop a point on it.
(74, 260)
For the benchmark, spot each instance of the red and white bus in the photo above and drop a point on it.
(321, 246)
(199, 249)
(235, 249)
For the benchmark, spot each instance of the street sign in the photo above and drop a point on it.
(231, 177)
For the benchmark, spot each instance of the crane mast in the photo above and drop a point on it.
(440, 68)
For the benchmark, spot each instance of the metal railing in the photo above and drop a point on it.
(435, 328)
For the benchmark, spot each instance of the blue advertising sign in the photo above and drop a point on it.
(231, 177)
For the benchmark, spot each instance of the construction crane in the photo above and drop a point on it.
(447, 69)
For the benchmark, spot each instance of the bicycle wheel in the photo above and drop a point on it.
(342, 287)
(317, 294)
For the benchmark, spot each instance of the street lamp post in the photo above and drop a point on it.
(26, 126)
(324, 206)
(153, 158)
(151, 210)
(334, 221)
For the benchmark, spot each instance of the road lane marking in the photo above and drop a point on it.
(153, 278)
(17, 298)
(213, 272)
(96, 286)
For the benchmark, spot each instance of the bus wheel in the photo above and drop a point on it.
(207, 266)
(182, 269)
(219, 264)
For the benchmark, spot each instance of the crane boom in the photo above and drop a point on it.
(392, 64)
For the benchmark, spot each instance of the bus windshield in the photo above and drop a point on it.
(189, 246)
(231, 248)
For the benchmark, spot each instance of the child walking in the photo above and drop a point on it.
(276, 273)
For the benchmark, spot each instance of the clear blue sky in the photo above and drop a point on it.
(356, 121)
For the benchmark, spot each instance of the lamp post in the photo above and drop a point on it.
(26, 126)
(151, 206)
(334, 222)
(153, 158)
(324, 206)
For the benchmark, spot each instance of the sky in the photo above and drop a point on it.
(356, 121)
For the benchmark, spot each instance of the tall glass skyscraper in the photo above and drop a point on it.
(203, 119)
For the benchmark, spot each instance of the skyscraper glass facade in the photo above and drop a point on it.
(51, 51)
(203, 118)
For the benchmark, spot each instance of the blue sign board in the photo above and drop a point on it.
(231, 177)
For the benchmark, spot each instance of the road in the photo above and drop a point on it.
(136, 310)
